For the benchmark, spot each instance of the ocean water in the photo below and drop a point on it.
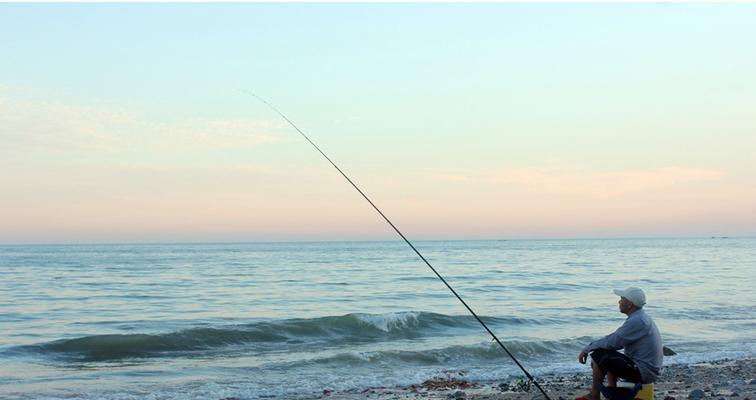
(288, 320)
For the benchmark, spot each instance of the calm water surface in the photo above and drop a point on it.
(206, 321)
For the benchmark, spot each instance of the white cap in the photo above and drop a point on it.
(634, 294)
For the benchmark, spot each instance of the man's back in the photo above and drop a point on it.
(645, 348)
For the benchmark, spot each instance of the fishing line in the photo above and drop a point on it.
(530, 377)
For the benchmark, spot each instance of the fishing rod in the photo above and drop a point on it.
(527, 374)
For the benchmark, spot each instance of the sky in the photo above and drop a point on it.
(129, 122)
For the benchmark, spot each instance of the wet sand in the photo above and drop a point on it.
(716, 380)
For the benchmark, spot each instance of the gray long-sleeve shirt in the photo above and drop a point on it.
(641, 340)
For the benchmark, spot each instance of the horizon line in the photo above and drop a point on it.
(399, 240)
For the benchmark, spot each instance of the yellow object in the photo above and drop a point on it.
(646, 392)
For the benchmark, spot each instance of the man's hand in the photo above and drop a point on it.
(583, 357)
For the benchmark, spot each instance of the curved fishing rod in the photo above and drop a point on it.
(530, 377)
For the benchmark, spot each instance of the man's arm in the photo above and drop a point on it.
(632, 330)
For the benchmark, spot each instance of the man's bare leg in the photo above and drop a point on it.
(598, 379)
(611, 380)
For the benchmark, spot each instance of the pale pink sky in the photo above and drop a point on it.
(544, 121)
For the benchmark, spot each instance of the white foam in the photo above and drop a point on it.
(391, 321)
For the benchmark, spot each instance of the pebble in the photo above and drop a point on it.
(706, 382)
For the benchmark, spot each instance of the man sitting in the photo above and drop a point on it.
(639, 336)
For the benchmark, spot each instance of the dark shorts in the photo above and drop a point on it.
(617, 364)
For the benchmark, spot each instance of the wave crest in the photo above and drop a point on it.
(269, 335)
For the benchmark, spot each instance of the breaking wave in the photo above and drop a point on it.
(332, 331)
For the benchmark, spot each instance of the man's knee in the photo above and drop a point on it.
(597, 368)
(598, 355)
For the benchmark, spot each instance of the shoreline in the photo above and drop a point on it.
(725, 379)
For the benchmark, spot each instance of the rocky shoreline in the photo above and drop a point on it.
(716, 380)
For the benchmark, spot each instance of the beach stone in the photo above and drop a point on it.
(697, 394)
(752, 382)
(669, 398)
(735, 394)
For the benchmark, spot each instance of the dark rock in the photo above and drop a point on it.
(697, 394)
(735, 394)
(459, 394)
(669, 398)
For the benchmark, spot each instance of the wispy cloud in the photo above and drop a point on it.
(43, 125)
(573, 181)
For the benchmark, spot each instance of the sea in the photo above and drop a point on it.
(292, 320)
